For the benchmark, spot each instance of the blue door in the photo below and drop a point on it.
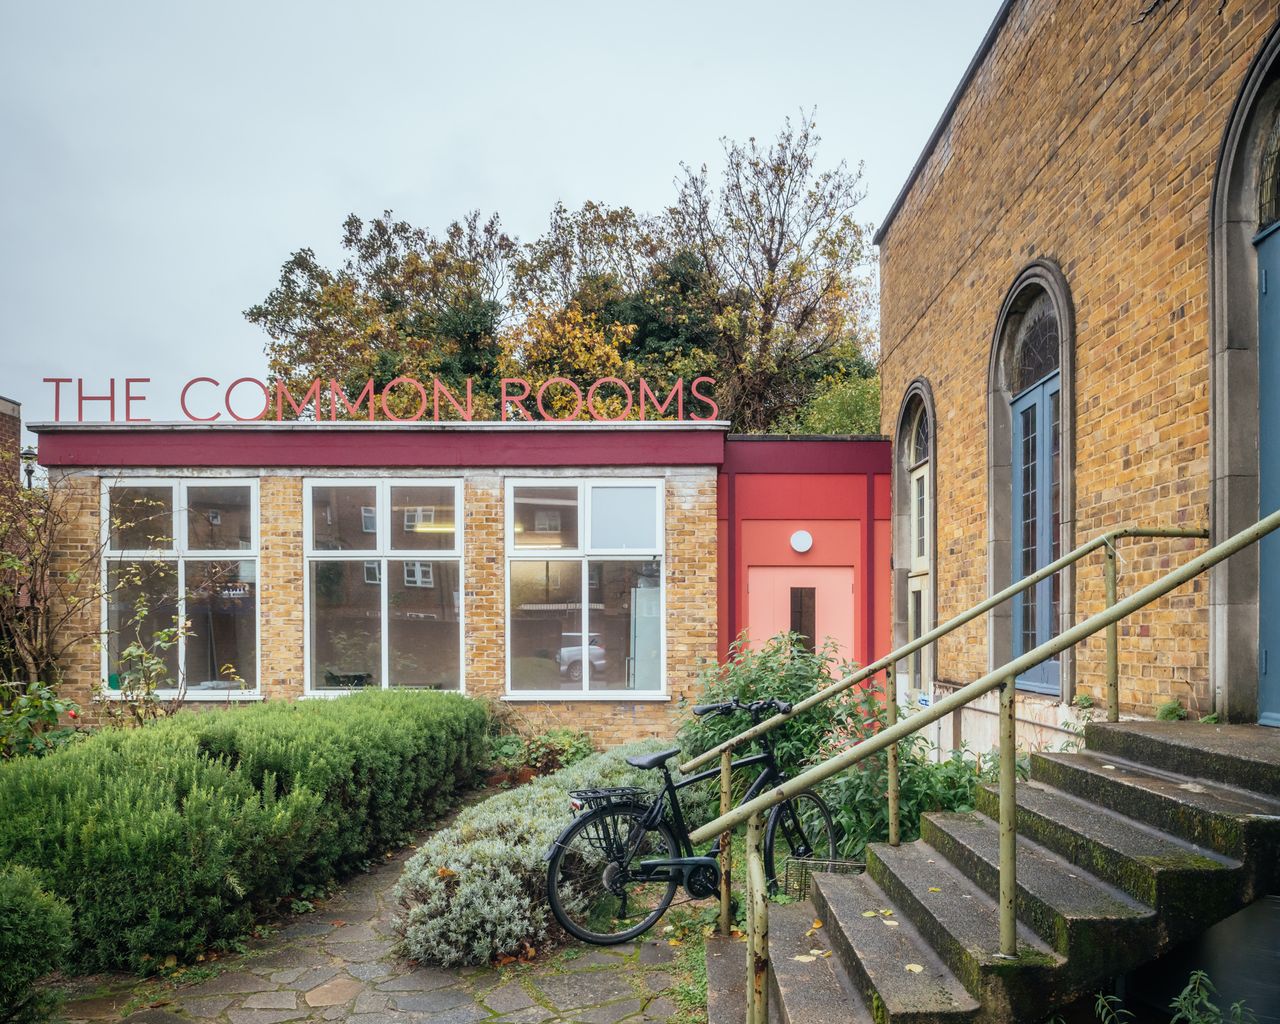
(1037, 481)
(1268, 243)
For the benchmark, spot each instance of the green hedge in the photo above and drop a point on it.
(167, 839)
(35, 933)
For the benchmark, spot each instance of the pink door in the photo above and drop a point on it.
(816, 601)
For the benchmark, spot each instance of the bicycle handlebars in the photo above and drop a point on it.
(754, 708)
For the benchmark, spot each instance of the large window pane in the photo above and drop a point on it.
(422, 624)
(546, 625)
(624, 625)
(141, 518)
(142, 610)
(219, 519)
(344, 518)
(624, 518)
(422, 518)
(222, 609)
(545, 517)
(346, 626)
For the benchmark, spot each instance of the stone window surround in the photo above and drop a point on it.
(382, 552)
(918, 397)
(179, 553)
(1233, 385)
(1045, 274)
(580, 553)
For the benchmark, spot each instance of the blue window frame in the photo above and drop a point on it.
(1037, 484)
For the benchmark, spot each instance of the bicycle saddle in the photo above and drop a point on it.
(654, 760)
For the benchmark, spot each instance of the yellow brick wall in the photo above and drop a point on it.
(76, 565)
(1091, 139)
(690, 597)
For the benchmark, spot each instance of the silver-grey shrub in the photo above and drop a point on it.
(477, 889)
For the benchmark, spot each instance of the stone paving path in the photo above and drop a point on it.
(340, 964)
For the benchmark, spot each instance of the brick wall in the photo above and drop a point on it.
(10, 437)
(1089, 138)
(76, 499)
(690, 597)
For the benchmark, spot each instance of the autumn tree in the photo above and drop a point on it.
(403, 303)
(791, 262)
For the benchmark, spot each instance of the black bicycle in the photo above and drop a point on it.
(615, 870)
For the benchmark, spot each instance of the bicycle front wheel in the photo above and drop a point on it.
(594, 885)
(801, 828)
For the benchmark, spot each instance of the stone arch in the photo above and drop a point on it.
(1040, 277)
(917, 400)
(1233, 384)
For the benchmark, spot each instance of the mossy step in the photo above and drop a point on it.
(1244, 756)
(1230, 821)
(889, 962)
(1093, 924)
(961, 922)
(1182, 881)
(804, 987)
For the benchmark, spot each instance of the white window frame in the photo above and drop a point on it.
(381, 553)
(584, 553)
(918, 488)
(179, 554)
(423, 575)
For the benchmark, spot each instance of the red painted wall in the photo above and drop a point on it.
(838, 490)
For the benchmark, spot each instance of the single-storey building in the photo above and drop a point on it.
(585, 573)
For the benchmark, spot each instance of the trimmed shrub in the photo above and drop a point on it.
(476, 890)
(168, 839)
(35, 933)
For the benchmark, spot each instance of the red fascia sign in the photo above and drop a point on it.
(207, 400)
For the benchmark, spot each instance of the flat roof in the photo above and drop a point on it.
(249, 426)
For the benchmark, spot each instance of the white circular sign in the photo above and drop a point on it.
(801, 541)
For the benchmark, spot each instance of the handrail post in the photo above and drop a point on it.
(1008, 827)
(891, 712)
(757, 927)
(1113, 632)
(726, 841)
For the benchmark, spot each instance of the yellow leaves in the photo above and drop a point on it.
(446, 873)
(804, 958)
(869, 913)
(891, 924)
(934, 888)
(914, 968)
(817, 923)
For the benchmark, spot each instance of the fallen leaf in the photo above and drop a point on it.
(891, 924)
(914, 968)
(673, 942)
(887, 913)
(816, 923)
(934, 888)
(817, 952)
(869, 913)
(446, 873)
(805, 959)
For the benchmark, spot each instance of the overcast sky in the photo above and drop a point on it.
(158, 162)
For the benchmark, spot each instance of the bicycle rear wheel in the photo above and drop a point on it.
(801, 828)
(592, 882)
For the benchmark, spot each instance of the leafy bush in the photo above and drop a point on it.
(781, 669)
(168, 839)
(29, 724)
(476, 890)
(35, 933)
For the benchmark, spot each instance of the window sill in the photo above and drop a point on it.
(554, 696)
(202, 697)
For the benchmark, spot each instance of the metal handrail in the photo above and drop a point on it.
(1107, 540)
(1002, 678)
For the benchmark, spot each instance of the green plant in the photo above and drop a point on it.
(29, 725)
(1195, 1005)
(476, 890)
(35, 933)
(168, 840)
(555, 749)
(782, 669)
(1171, 711)
(1109, 1010)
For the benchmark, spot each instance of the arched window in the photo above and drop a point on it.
(1269, 178)
(913, 534)
(1027, 502)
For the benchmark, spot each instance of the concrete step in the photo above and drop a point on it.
(1091, 923)
(1235, 822)
(891, 964)
(1244, 756)
(726, 980)
(806, 987)
(1184, 882)
(961, 922)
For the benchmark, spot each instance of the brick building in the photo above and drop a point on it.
(10, 436)
(584, 574)
(1077, 335)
